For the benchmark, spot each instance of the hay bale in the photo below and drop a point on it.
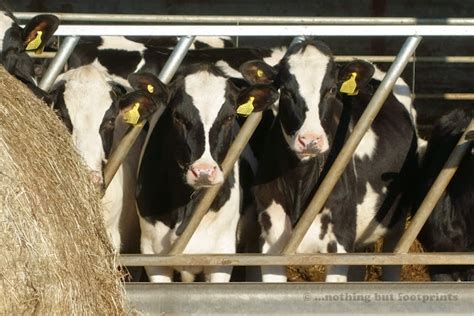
(55, 258)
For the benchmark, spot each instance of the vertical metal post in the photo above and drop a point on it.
(434, 194)
(166, 74)
(58, 62)
(347, 151)
(202, 208)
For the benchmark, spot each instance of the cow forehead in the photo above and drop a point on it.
(207, 92)
(308, 66)
(87, 98)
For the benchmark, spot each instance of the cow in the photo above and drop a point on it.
(450, 227)
(92, 107)
(15, 41)
(183, 157)
(314, 119)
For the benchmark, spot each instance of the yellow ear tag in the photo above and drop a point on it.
(259, 73)
(150, 88)
(132, 116)
(34, 44)
(246, 108)
(350, 85)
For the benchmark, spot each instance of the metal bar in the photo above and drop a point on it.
(445, 96)
(439, 258)
(434, 194)
(146, 18)
(202, 208)
(169, 69)
(57, 64)
(266, 30)
(351, 144)
(302, 298)
(348, 58)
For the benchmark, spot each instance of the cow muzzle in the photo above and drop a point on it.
(204, 174)
(308, 145)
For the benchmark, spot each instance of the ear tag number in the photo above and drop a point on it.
(259, 73)
(132, 116)
(349, 86)
(246, 108)
(34, 44)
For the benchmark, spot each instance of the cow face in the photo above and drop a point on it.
(89, 104)
(306, 77)
(203, 115)
(14, 41)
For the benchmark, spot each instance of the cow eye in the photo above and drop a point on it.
(229, 118)
(110, 123)
(333, 90)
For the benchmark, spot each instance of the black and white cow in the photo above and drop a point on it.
(91, 105)
(451, 225)
(183, 157)
(15, 41)
(313, 122)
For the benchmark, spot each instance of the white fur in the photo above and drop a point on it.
(309, 68)
(228, 70)
(277, 54)
(5, 23)
(208, 94)
(215, 234)
(367, 146)
(120, 42)
(366, 211)
(213, 41)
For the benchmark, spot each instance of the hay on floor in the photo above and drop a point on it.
(55, 256)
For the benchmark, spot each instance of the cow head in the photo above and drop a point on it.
(14, 41)
(202, 107)
(309, 105)
(90, 104)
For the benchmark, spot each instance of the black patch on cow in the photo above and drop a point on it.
(332, 247)
(325, 220)
(265, 221)
(119, 62)
(107, 127)
(59, 105)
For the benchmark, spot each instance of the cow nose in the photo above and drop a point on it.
(204, 172)
(96, 178)
(310, 141)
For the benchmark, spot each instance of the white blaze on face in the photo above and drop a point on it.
(208, 94)
(309, 68)
(5, 23)
(87, 98)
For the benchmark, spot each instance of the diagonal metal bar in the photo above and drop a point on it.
(166, 74)
(58, 62)
(202, 208)
(434, 194)
(346, 153)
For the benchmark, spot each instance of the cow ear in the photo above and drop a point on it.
(256, 98)
(148, 82)
(355, 76)
(137, 106)
(257, 72)
(39, 31)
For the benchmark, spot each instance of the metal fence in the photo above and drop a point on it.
(372, 27)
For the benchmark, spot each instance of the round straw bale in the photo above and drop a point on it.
(55, 257)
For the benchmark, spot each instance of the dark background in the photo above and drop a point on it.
(430, 77)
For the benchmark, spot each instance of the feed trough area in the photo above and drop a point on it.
(250, 159)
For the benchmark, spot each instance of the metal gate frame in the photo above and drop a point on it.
(464, 27)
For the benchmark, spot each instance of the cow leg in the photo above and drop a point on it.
(392, 272)
(336, 273)
(357, 273)
(187, 276)
(218, 274)
(152, 242)
(276, 230)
